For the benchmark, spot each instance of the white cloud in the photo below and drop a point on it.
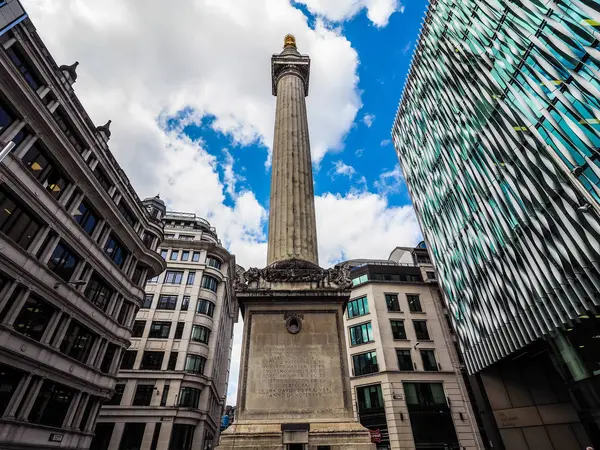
(378, 11)
(142, 58)
(341, 168)
(407, 48)
(385, 143)
(390, 181)
(358, 153)
(230, 178)
(368, 119)
(362, 225)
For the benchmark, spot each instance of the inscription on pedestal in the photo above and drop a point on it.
(294, 373)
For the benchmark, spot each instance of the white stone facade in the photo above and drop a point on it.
(386, 375)
(76, 246)
(169, 325)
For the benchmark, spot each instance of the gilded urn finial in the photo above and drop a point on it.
(289, 41)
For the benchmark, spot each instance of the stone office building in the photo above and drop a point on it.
(173, 380)
(76, 245)
(405, 371)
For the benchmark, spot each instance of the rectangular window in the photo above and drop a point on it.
(102, 178)
(391, 300)
(365, 363)
(24, 67)
(370, 399)
(63, 261)
(127, 213)
(185, 237)
(128, 359)
(196, 256)
(195, 364)
(210, 283)
(152, 360)
(138, 328)
(98, 292)
(421, 397)
(51, 405)
(191, 278)
(358, 307)
(124, 312)
(429, 362)
(155, 435)
(7, 115)
(16, 222)
(143, 395)
(45, 170)
(78, 342)
(34, 318)
(182, 437)
(185, 303)
(189, 397)
(404, 359)
(361, 334)
(200, 334)
(159, 330)
(398, 331)
(147, 304)
(169, 236)
(431, 275)
(64, 123)
(174, 255)
(421, 330)
(179, 330)
(359, 280)
(116, 251)
(118, 395)
(172, 361)
(164, 253)
(109, 355)
(165, 395)
(133, 435)
(9, 380)
(137, 274)
(414, 303)
(153, 279)
(205, 307)
(167, 302)
(185, 255)
(148, 240)
(173, 277)
(213, 262)
(86, 217)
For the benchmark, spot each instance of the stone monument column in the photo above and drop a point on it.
(294, 387)
(292, 224)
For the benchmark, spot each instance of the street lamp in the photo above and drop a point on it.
(6, 149)
(74, 283)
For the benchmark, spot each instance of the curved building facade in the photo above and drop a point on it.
(77, 245)
(498, 132)
(173, 379)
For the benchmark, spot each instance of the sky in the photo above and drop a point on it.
(187, 86)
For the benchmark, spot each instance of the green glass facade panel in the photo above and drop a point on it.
(498, 136)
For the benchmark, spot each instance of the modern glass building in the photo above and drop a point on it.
(498, 135)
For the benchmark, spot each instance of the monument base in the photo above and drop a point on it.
(313, 436)
(294, 388)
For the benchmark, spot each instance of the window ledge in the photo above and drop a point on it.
(358, 317)
(362, 343)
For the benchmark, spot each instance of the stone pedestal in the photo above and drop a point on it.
(294, 385)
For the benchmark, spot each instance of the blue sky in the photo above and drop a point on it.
(188, 90)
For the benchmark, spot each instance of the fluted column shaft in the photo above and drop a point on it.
(292, 224)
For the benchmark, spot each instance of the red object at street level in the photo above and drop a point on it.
(375, 436)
